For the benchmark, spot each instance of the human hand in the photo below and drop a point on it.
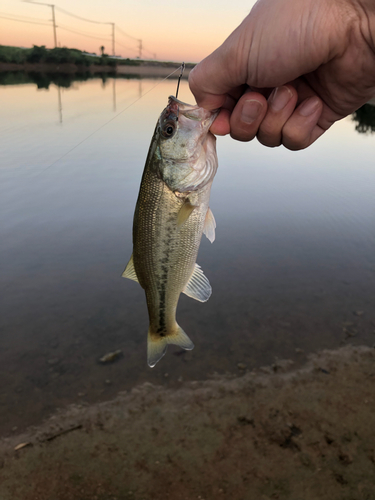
(290, 70)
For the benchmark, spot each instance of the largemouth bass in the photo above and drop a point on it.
(171, 214)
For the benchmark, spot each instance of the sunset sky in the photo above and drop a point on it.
(177, 31)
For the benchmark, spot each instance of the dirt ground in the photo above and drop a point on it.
(276, 433)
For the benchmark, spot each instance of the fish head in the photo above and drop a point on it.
(186, 146)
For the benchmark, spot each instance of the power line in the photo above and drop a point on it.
(140, 42)
(124, 46)
(82, 34)
(34, 2)
(123, 32)
(61, 26)
(23, 17)
(20, 21)
(91, 21)
(79, 17)
(149, 51)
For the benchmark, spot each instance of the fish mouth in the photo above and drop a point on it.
(193, 112)
(173, 101)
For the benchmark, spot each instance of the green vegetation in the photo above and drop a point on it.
(12, 54)
(59, 55)
(365, 119)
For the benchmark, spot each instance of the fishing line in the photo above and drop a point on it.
(110, 120)
(179, 78)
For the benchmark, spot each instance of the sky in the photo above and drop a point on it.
(176, 31)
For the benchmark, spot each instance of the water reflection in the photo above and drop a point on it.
(364, 116)
(59, 107)
(292, 266)
(44, 80)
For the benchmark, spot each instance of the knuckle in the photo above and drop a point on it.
(191, 79)
(268, 129)
(241, 131)
(295, 138)
(242, 135)
(271, 143)
(269, 134)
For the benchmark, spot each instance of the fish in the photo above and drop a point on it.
(171, 214)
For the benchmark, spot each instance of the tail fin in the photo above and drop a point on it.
(157, 345)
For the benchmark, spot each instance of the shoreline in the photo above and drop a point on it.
(275, 432)
(144, 70)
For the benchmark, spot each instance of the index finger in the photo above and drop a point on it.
(213, 79)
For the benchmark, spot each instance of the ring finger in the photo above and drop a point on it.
(281, 104)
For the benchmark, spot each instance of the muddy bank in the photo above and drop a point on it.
(273, 433)
(152, 71)
(55, 68)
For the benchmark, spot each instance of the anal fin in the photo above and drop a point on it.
(130, 271)
(198, 287)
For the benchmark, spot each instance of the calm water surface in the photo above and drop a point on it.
(292, 267)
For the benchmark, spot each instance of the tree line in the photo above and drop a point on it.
(58, 55)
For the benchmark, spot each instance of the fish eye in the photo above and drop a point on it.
(168, 130)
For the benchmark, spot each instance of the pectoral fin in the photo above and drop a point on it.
(209, 226)
(130, 271)
(198, 287)
(184, 213)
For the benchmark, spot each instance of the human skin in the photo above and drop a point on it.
(290, 70)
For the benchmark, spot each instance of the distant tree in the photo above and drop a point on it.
(12, 54)
(102, 48)
(36, 54)
(365, 119)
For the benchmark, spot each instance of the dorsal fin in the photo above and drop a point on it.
(198, 287)
(130, 271)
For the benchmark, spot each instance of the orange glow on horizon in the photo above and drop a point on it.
(177, 33)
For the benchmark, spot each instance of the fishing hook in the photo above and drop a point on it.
(179, 78)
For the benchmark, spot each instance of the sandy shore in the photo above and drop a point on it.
(276, 433)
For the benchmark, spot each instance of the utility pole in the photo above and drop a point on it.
(53, 17)
(140, 49)
(113, 39)
(54, 24)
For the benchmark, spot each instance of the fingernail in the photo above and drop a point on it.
(309, 106)
(251, 110)
(280, 98)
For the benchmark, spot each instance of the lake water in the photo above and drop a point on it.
(292, 267)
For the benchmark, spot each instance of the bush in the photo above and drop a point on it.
(12, 54)
(365, 119)
(36, 54)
